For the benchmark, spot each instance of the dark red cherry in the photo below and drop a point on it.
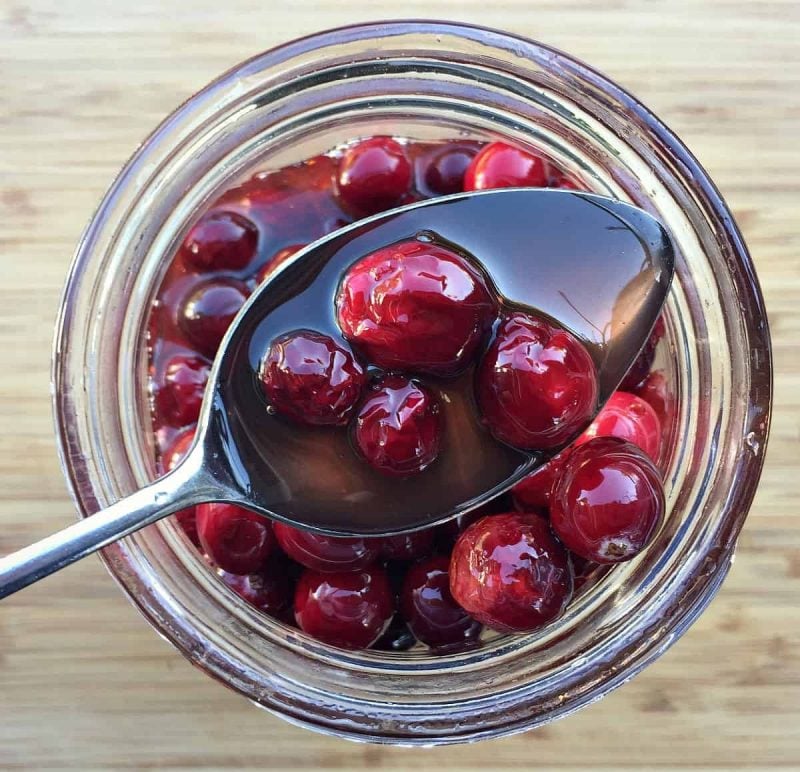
(508, 572)
(219, 241)
(428, 606)
(180, 397)
(502, 166)
(398, 427)
(327, 553)
(269, 589)
(236, 539)
(608, 502)
(536, 385)
(350, 610)
(278, 259)
(311, 378)
(374, 175)
(444, 173)
(630, 418)
(408, 546)
(206, 314)
(532, 493)
(416, 307)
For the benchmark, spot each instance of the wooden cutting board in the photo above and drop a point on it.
(84, 682)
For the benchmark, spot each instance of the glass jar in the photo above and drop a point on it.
(424, 81)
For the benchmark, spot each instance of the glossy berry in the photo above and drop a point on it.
(509, 572)
(502, 166)
(327, 553)
(408, 546)
(397, 637)
(236, 539)
(416, 307)
(532, 493)
(536, 385)
(448, 532)
(608, 502)
(444, 173)
(186, 518)
(630, 418)
(398, 427)
(269, 590)
(278, 259)
(311, 378)
(180, 397)
(428, 606)
(655, 390)
(219, 241)
(350, 610)
(208, 311)
(374, 175)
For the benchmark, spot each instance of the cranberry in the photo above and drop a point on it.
(326, 553)
(208, 311)
(186, 518)
(398, 427)
(269, 589)
(350, 610)
(311, 378)
(536, 385)
(501, 166)
(656, 392)
(509, 572)
(445, 171)
(629, 417)
(236, 539)
(396, 638)
(416, 306)
(644, 361)
(408, 546)
(221, 240)
(608, 502)
(429, 609)
(374, 175)
(532, 493)
(180, 398)
(278, 259)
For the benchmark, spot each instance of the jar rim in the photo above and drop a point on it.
(72, 319)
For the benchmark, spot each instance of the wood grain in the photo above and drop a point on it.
(84, 683)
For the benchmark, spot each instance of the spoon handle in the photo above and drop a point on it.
(185, 486)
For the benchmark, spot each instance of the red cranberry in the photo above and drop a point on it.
(644, 361)
(326, 553)
(208, 311)
(429, 609)
(221, 240)
(269, 590)
(398, 427)
(186, 518)
(311, 378)
(609, 502)
(408, 546)
(396, 638)
(532, 493)
(374, 175)
(655, 390)
(536, 385)
(501, 166)
(350, 610)
(278, 259)
(445, 172)
(180, 398)
(629, 417)
(509, 572)
(416, 306)
(236, 539)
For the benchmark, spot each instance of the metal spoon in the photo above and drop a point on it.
(599, 267)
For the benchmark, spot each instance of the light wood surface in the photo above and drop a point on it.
(84, 682)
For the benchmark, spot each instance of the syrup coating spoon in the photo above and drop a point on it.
(595, 266)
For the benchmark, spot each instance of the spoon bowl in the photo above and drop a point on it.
(595, 266)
